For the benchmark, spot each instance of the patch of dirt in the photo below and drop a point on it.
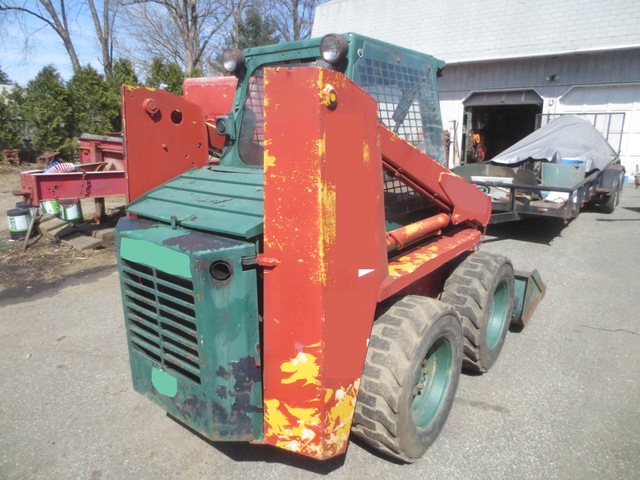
(45, 263)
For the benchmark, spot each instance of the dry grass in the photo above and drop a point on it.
(44, 263)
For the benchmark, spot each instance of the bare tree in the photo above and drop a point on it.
(181, 31)
(104, 24)
(293, 19)
(56, 14)
(237, 8)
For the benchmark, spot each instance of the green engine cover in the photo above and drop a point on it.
(193, 338)
(224, 200)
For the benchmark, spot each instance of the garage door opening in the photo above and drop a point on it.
(495, 121)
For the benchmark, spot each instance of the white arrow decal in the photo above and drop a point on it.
(363, 271)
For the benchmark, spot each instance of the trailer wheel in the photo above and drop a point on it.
(481, 289)
(410, 377)
(610, 205)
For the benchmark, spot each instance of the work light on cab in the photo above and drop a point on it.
(232, 59)
(333, 48)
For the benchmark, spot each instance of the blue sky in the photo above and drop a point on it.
(45, 48)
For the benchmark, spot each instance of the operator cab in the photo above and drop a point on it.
(403, 83)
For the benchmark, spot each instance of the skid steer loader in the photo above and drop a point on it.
(321, 277)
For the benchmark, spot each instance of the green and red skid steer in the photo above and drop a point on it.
(302, 266)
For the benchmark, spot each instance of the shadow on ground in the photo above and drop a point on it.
(533, 230)
(631, 209)
(248, 452)
(24, 293)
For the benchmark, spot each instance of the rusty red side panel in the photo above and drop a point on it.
(415, 264)
(215, 96)
(164, 136)
(324, 224)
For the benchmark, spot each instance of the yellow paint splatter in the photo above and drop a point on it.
(320, 148)
(365, 153)
(329, 213)
(273, 417)
(269, 160)
(409, 263)
(326, 204)
(320, 83)
(302, 367)
(327, 395)
(318, 432)
(339, 419)
(306, 416)
(401, 269)
(293, 429)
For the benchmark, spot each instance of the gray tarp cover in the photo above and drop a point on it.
(568, 137)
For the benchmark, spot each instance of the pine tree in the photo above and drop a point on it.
(92, 102)
(255, 31)
(168, 74)
(48, 114)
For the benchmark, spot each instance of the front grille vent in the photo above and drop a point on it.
(161, 318)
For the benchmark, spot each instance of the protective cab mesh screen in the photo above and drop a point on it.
(406, 92)
(404, 88)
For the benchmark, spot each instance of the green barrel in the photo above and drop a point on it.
(18, 219)
(51, 206)
(71, 211)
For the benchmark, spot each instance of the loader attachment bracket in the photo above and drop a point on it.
(529, 291)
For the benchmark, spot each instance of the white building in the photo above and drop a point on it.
(512, 63)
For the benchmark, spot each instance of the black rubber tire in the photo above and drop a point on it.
(610, 205)
(470, 289)
(400, 341)
(614, 199)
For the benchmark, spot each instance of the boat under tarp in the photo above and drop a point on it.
(568, 138)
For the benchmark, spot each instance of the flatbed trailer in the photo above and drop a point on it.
(526, 200)
(554, 172)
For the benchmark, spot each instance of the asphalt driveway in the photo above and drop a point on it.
(563, 400)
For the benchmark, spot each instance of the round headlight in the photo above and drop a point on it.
(232, 59)
(333, 48)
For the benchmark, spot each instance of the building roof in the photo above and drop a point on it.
(461, 31)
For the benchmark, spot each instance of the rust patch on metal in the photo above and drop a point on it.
(245, 372)
(222, 392)
(192, 408)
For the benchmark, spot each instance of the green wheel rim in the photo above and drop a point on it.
(432, 383)
(497, 316)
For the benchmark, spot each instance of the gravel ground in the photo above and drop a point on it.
(561, 402)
